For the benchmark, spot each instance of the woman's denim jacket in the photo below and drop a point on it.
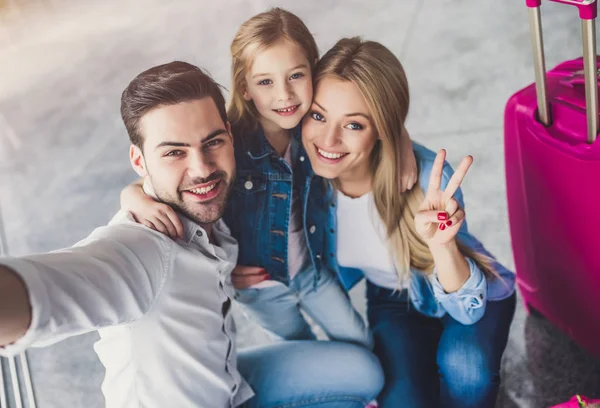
(467, 305)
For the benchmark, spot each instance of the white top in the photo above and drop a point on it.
(162, 309)
(297, 248)
(362, 240)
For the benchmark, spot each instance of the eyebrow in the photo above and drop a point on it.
(348, 114)
(211, 135)
(296, 67)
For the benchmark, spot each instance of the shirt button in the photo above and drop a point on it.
(199, 233)
(318, 256)
(312, 229)
(301, 158)
(248, 185)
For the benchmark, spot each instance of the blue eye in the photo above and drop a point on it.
(297, 75)
(355, 126)
(317, 116)
(265, 82)
(174, 153)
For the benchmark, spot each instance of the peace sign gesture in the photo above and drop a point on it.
(440, 216)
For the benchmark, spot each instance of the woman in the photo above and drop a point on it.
(439, 305)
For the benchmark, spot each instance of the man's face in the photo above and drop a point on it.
(188, 156)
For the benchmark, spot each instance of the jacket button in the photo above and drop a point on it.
(248, 185)
(301, 158)
(318, 256)
(312, 229)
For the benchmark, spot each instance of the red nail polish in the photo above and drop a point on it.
(449, 223)
(442, 226)
(442, 216)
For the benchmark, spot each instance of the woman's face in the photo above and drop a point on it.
(338, 133)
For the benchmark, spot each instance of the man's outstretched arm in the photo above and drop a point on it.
(15, 311)
(112, 277)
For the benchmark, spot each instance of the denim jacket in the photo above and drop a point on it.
(259, 207)
(467, 305)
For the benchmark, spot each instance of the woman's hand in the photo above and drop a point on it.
(440, 216)
(242, 277)
(151, 213)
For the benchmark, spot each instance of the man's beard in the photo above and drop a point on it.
(203, 213)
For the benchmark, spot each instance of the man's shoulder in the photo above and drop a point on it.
(123, 229)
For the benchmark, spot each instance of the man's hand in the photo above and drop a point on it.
(15, 311)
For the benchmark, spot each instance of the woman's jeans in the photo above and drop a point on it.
(430, 362)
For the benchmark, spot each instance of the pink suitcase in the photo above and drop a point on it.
(553, 185)
(578, 402)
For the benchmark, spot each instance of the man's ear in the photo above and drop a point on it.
(136, 157)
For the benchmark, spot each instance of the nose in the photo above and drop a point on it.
(332, 137)
(201, 165)
(284, 91)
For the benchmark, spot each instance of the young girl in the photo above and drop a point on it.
(273, 207)
(439, 305)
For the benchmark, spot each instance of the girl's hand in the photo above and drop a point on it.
(151, 213)
(242, 277)
(440, 216)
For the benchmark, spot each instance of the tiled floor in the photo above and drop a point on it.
(63, 150)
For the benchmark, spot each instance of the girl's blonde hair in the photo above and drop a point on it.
(380, 77)
(255, 35)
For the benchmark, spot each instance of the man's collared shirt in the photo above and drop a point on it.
(161, 307)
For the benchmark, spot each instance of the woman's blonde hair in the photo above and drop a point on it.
(380, 77)
(255, 35)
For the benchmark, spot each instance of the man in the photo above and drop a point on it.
(162, 307)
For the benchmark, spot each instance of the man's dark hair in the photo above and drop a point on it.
(166, 84)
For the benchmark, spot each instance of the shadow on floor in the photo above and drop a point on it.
(552, 369)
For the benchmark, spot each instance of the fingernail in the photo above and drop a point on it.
(449, 223)
(442, 226)
(442, 216)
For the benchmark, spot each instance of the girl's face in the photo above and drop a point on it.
(338, 133)
(279, 83)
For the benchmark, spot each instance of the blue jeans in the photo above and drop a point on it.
(429, 362)
(277, 309)
(323, 374)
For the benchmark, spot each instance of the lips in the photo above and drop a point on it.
(204, 192)
(288, 111)
(330, 157)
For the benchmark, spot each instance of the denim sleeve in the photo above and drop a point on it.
(466, 305)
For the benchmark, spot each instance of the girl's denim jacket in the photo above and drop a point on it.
(467, 305)
(259, 207)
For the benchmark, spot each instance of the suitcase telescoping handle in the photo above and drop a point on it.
(588, 10)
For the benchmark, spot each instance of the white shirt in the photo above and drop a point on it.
(362, 240)
(297, 249)
(167, 337)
